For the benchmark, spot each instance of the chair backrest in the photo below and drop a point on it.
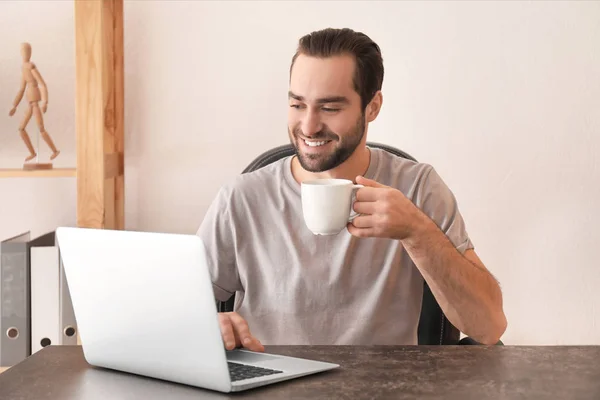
(434, 328)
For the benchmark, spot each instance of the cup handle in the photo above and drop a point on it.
(354, 214)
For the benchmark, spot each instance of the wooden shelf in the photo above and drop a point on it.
(41, 173)
(99, 117)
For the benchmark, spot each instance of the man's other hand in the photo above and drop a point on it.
(236, 333)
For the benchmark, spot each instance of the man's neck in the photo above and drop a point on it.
(356, 164)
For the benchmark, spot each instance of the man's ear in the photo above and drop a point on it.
(374, 106)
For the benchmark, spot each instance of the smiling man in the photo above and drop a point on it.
(365, 284)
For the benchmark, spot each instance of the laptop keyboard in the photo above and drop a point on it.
(239, 372)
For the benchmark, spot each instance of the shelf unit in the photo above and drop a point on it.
(100, 113)
(99, 117)
(42, 173)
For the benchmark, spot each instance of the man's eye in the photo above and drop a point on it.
(327, 109)
(295, 105)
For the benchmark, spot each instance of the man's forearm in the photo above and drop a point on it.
(468, 294)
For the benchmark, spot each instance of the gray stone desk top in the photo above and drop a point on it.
(373, 372)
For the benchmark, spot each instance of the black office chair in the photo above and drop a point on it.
(434, 327)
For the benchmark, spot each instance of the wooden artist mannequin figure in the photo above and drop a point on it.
(32, 80)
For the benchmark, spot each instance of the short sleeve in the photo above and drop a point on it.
(218, 235)
(438, 202)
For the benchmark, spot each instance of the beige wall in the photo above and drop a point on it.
(502, 98)
(37, 204)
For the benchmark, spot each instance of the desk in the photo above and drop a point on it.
(436, 372)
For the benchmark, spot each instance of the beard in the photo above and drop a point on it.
(344, 147)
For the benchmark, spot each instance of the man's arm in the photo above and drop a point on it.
(467, 293)
(218, 233)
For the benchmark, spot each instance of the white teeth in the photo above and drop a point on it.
(314, 144)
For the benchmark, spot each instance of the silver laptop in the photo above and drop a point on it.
(144, 304)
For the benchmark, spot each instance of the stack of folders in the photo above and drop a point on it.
(35, 305)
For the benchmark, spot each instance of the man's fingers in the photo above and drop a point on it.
(362, 221)
(254, 344)
(227, 331)
(240, 326)
(365, 207)
(367, 194)
(360, 232)
(243, 333)
(361, 180)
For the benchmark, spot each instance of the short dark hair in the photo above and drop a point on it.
(368, 75)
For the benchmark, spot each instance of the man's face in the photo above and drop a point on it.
(325, 119)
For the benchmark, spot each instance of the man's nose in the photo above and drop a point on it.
(311, 124)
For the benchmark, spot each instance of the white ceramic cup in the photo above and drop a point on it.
(327, 205)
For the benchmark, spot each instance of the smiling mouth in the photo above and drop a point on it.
(315, 143)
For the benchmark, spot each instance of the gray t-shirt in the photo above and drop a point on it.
(294, 287)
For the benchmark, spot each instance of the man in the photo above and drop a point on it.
(364, 285)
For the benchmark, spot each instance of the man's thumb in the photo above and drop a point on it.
(361, 180)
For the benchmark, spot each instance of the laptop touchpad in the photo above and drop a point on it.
(249, 357)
